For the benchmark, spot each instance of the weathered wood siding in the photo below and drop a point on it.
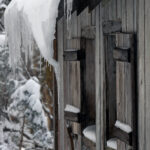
(125, 11)
(70, 71)
(135, 18)
(144, 73)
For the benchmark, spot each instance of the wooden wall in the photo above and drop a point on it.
(135, 18)
(70, 71)
(125, 11)
(144, 73)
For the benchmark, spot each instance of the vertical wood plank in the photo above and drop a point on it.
(74, 25)
(94, 17)
(102, 81)
(119, 9)
(130, 15)
(124, 16)
(110, 83)
(66, 85)
(74, 78)
(147, 71)
(141, 76)
(112, 10)
(124, 90)
(97, 78)
(90, 81)
(135, 5)
(105, 15)
(61, 94)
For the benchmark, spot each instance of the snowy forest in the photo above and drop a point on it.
(26, 73)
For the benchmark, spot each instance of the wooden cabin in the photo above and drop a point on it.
(105, 74)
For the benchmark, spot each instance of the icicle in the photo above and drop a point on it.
(69, 11)
(32, 24)
(50, 68)
(1, 133)
(40, 64)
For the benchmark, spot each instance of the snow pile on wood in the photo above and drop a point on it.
(123, 126)
(112, 143)
(90, 133)
(70, 108)
(31, 20)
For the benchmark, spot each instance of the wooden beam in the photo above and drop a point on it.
(112, 26)
(121, 135)
(74, 117)
(89, 144)
(56, 115)
(89, 32)
(121, 54)
(73, 55)
(111, 114)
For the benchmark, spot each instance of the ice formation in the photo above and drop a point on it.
(31, 20)
(112, 143)
(68, 5)
(90, 133)
(70, 108)
(69, 9)
(123, 126)
(2, 40)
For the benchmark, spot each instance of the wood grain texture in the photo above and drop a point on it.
(121, 55)
(110, 83)
(97, 84)
(102, 83)
(141, 76)
(130, 15)
(90, 81)
(111, 26)
(124, 82)
(147, 71)
(61, 94)
(125, 11)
